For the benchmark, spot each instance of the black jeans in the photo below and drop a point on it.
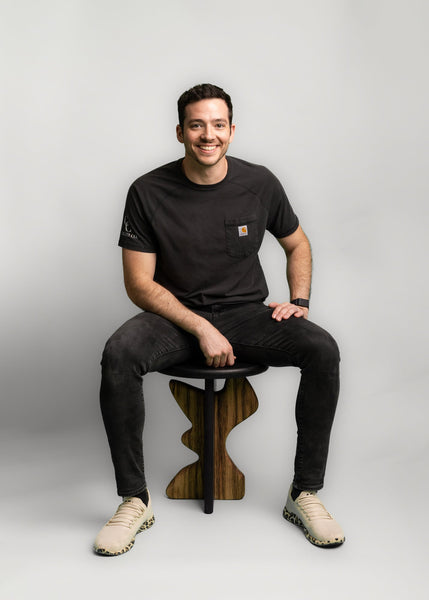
(148, 342)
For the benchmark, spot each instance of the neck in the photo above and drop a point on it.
(203, 175)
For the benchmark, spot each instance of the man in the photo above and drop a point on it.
(190, 238)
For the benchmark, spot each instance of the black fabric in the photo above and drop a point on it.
(295, 493)
(144, 497)
(148, 343)
(207, 237)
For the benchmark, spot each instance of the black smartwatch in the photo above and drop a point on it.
(301, 302)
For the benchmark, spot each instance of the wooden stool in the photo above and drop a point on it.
(213, 475)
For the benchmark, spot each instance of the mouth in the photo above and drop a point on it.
(207, 149)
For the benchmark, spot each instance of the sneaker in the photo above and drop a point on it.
(319, 526)
(118, 535)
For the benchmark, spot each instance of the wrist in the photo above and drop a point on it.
(201, 327)
(302, 302)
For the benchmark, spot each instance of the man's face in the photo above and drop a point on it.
(206, 131)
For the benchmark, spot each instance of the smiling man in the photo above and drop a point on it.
(190, 238)
(206, 138)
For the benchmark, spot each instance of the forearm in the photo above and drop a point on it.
(152, 297)
(139, 271)
(298, 271)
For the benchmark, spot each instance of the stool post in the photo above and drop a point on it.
(208, 472)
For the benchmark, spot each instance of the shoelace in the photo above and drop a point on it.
(312, 507)
(126, 514)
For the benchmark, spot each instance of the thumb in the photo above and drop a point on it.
(273, 304)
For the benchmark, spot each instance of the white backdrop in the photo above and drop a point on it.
(332, 96)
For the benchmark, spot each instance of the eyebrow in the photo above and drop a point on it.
(202, 120)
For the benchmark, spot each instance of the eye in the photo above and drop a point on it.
(220, 125)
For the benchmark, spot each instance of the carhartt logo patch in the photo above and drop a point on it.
(242, 230)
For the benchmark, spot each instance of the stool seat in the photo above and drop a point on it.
(199, 370)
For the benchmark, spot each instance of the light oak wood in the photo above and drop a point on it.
(232, 405)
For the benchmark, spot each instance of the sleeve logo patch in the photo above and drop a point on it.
(242, 230)
(127, 231)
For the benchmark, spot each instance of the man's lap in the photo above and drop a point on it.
(257, 337)
(254, 335)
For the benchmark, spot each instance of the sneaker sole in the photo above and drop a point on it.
(293, 518)
(128, 547)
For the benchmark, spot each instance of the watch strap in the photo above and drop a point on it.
(301, 302)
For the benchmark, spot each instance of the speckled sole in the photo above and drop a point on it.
(144, 526)
(292, 518)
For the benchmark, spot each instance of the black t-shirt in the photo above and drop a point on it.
(207, 237)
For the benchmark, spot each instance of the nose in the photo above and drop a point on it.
(208, 133)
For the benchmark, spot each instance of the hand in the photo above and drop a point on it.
(217, 350)
(286, 310)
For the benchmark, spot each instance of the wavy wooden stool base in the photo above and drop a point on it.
(232, 405)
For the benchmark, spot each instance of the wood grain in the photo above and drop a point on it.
(232, 405)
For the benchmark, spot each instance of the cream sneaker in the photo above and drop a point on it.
(319, 526)
(118, 535)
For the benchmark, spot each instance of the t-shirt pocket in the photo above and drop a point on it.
(241, 236)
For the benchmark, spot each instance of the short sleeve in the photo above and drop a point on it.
(136, 230)
(282, 221)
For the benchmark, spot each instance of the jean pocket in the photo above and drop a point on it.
(241, 236)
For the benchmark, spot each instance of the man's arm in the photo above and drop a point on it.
(298, 273)
(139, 271)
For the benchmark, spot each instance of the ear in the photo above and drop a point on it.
(232, 133)
(179, 134)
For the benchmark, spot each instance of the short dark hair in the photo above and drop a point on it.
(201, 92)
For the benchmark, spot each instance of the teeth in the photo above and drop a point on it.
(207, 147)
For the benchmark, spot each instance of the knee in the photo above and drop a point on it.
(116, 354)
(322, 352)
(330, 352)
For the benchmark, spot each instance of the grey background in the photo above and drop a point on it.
(332, 96)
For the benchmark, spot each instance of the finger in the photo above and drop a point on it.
(294, 310)
(283, 313)
(273, 304)
(276, 312)
(222, 361)
(231, 359)
(227, 359)
(286, 312)
(279, 309)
